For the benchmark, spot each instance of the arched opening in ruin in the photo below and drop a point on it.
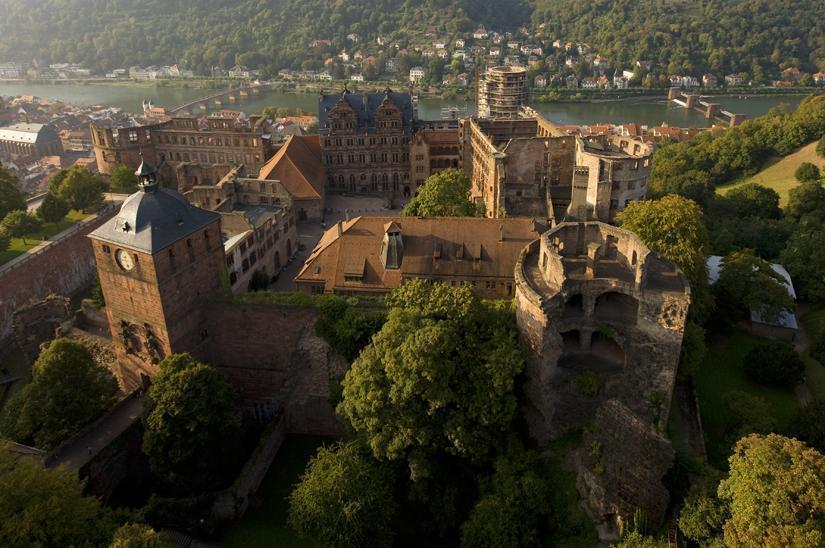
(573, 306)
(288, 248)
(616, 306)
(604, 347)
(571, 341)
(277, 262)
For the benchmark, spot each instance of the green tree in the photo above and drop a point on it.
(11, 198)
(809, 425)
(820, 147)
(804, 257)
(445, 194)
(702, 517)
(80, 188)
(136, 535)
(747, 283)
(673, 226)
(438, 379)
(753, 200)
(44, 508)
(806, 204)
(514, 503)
(20, 223)
(635, 539)
(5, 238)
(124, 180)
(68, 391)
(807, 173)
(747, 414)
(774, 363)
(191, 423)
(346, 330)
(776, 493)
(53, 209)
(345, 498)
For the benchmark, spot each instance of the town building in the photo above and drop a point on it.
(257, 226)
(434, 147)
(373, 255)
(416, 74)
(365, 142)
(502, 91)
(190, 151)
(531, 167)
(29, 142)
(298, 167)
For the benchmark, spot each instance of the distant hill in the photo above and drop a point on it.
(106, 34)
(759, 37)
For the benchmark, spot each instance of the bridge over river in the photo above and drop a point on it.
(221, 97)
(710, 110)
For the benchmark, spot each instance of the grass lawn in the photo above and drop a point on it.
(19, 246)
(265, 523)
(778, 173)
(721, 373)
(814, 322)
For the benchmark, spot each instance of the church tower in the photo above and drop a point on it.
(157, 260)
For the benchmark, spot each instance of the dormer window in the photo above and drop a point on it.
(126, 226)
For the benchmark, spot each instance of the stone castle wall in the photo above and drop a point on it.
(272, 355)
(62, 267)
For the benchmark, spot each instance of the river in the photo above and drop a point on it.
(641, 111)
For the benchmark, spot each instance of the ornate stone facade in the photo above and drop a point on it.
(365, 142)
(194, 151)
(603, 318)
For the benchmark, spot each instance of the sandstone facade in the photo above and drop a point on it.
(603, 318)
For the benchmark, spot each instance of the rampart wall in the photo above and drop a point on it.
(62, 267)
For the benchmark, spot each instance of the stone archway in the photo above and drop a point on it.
(616, 306)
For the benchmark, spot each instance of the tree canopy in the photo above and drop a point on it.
(43, 508)
(78, 187)
(807, 172)
(136, 535)
(345, 498)
(673, 226)
(747, 283)
(437, 379)
(68, 391)
(776, 493)
(445, 194)
(53, 208)
(11, 197)
(20, 223)
(191, 423)
(123, 180)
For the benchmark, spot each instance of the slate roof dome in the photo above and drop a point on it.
(153, 217)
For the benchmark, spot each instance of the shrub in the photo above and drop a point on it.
(820, 147)
(809, 425)
(588, 384)
(807, 172)
(774, 363)
(748, 414)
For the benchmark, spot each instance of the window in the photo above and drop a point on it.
(233, 277)
(419, 157)
(105, 248)
(245, 265)
(230, 260)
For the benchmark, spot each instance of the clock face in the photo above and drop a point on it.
(124, 260)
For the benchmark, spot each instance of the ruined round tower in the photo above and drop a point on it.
(603, 318)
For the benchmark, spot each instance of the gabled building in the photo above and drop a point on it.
(374, 255)
(365, 141)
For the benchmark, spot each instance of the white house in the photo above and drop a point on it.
(416, 74)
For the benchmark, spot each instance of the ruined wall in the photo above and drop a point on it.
(62, 267)
(272, 355)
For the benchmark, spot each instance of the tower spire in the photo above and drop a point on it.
(147, 175)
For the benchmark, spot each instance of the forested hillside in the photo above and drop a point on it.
(104, 34)
(758, 37)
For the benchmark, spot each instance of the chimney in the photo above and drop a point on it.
(501, 232)
(340, 228)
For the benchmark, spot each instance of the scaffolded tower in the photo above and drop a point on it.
(502, 91)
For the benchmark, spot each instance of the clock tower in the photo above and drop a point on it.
(158, 259)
